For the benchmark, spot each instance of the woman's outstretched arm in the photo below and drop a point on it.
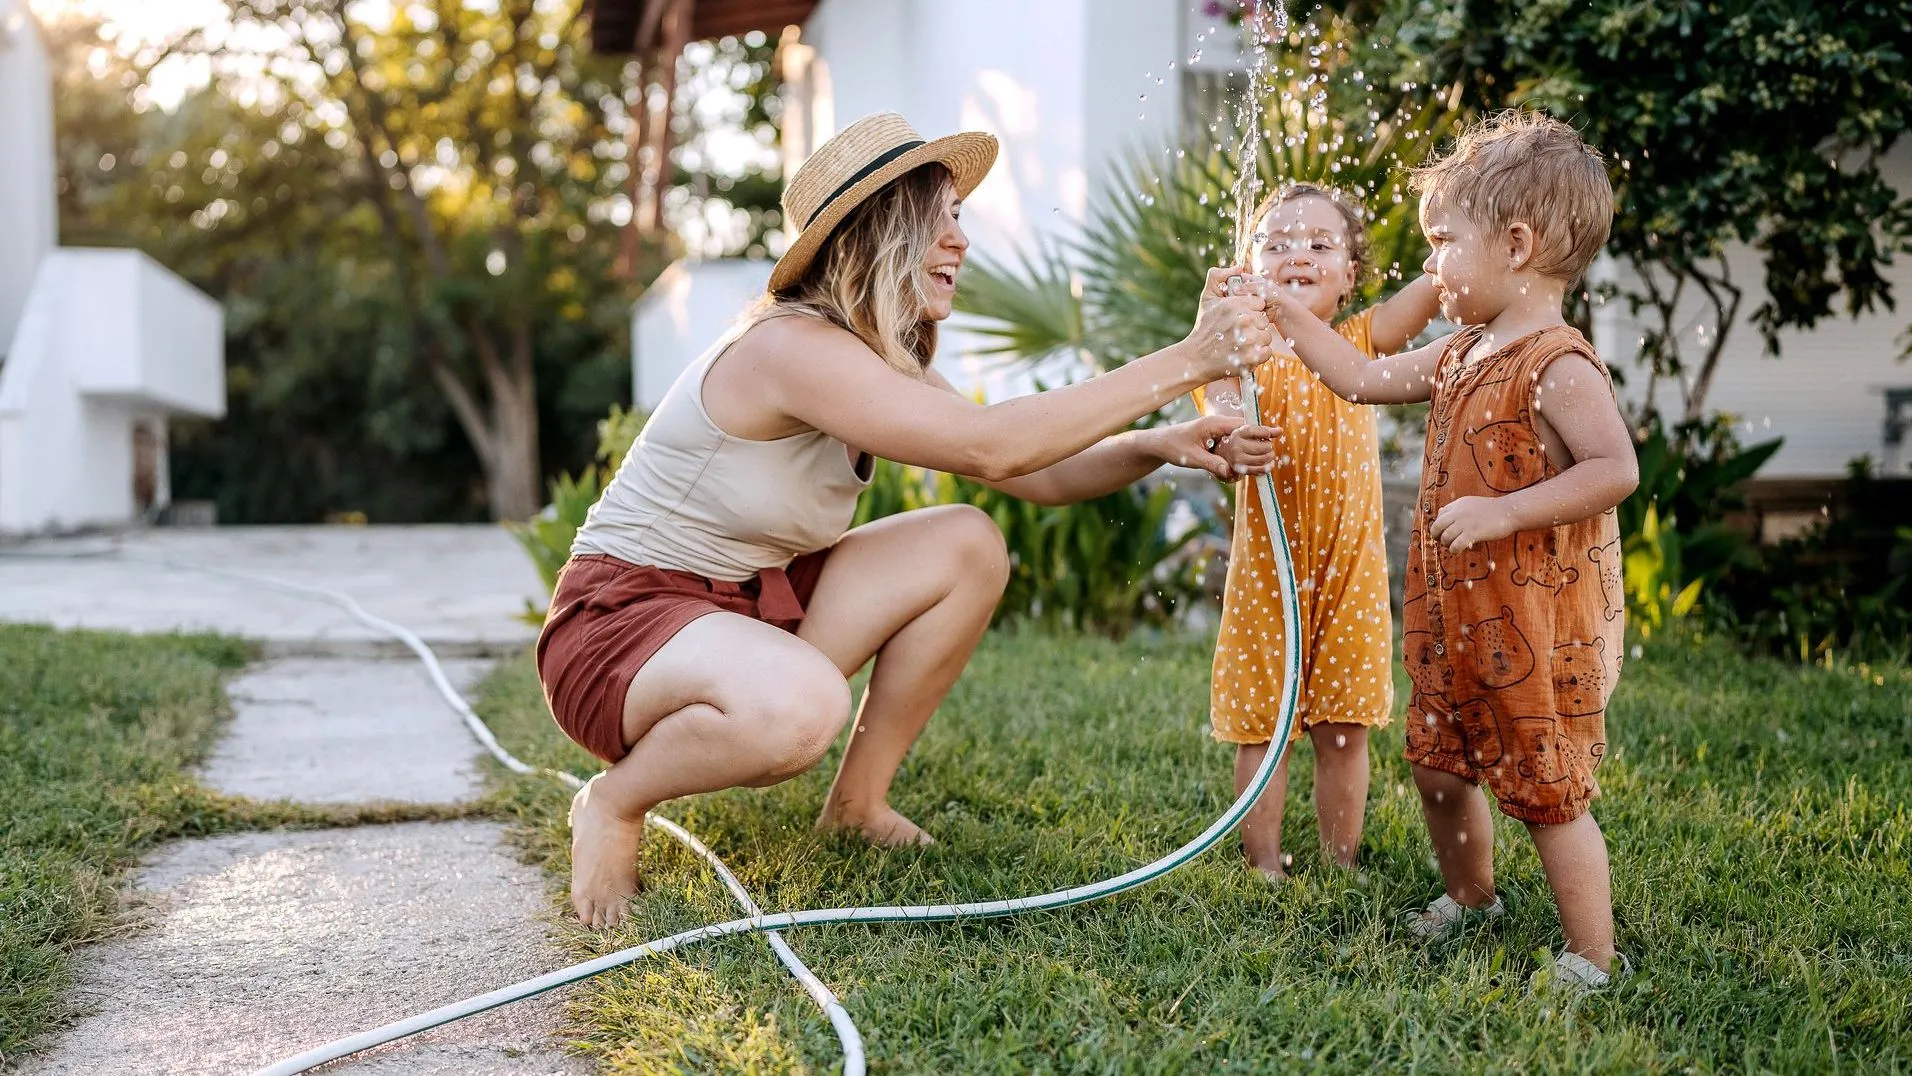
(829, 380)
(1119, 460)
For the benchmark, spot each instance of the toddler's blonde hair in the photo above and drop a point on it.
(1520, 165)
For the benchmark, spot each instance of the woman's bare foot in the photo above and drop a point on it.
(603, 859)
(884, 827)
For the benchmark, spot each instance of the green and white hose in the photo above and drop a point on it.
(902, 913)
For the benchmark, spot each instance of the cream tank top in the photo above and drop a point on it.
(691, 498)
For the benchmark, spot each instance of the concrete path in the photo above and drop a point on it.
(295, 720)
(262, 945)
(460, 588)
(247, 948)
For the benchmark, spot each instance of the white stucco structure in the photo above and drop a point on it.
(27, 208)
(97, 347)
(681, 314)
(1061, 84)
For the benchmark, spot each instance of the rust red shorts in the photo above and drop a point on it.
(609, 616)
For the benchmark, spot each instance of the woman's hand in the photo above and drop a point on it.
(1197, 443)
(1231, 332)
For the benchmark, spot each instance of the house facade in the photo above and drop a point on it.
(98, 348)
(1836, 392)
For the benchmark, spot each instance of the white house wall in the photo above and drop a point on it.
(1014, 69)
(27, 207)
(681, 314)
(107, 340)
(1129, 46)
(1823, 394)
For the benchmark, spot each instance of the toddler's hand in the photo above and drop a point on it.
(1249, 450)
(1469, 521)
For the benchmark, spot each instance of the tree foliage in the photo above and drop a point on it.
(411, 215)
(1749, 122)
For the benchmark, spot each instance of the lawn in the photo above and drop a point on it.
(98, 736)
(1756, 812)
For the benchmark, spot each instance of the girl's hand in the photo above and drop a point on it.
(1285, 309)
(1194, 444)
(1469, 521)
(1249, 450)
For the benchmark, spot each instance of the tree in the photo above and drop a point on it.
(475, 153)
(350, 301)
(1752, 122)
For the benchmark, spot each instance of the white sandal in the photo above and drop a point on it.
(1575, 975)
(1443, 918)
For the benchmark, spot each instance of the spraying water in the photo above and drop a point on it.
(1263, 22)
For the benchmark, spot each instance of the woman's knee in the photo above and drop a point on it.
(975, 542)
(802, 714)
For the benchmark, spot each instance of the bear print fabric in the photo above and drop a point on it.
(1513, 646)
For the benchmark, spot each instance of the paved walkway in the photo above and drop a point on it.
(460, 588)
(247, 948)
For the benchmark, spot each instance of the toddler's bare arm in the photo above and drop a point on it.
(1402, 317)
(1576, 407)
(1405, 378)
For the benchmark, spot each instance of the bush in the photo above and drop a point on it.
(1673, 526)
(1841, 592)
(1106, 565)
(546, 538)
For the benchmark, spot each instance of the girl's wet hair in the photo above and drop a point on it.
(1353, 222)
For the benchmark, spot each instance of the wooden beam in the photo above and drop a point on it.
(619, 27)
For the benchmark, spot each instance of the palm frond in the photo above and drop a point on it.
(1029, 310)
(1130, 284)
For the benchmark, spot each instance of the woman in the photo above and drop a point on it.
(703, 632)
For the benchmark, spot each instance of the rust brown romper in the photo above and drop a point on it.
(1513, 645)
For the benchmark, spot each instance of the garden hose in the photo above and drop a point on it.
(920, 913)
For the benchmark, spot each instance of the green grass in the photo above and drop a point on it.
(98, 734)
(1756, 814)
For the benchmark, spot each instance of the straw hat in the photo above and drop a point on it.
(856, 163)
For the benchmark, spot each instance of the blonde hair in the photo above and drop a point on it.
(1525, 166)
(869, 279)
(1353, 221)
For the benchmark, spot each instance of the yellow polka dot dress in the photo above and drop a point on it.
(1328, 483)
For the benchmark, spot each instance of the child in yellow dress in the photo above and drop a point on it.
(1325, 463)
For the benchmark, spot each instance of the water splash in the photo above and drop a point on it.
(1263, 23)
